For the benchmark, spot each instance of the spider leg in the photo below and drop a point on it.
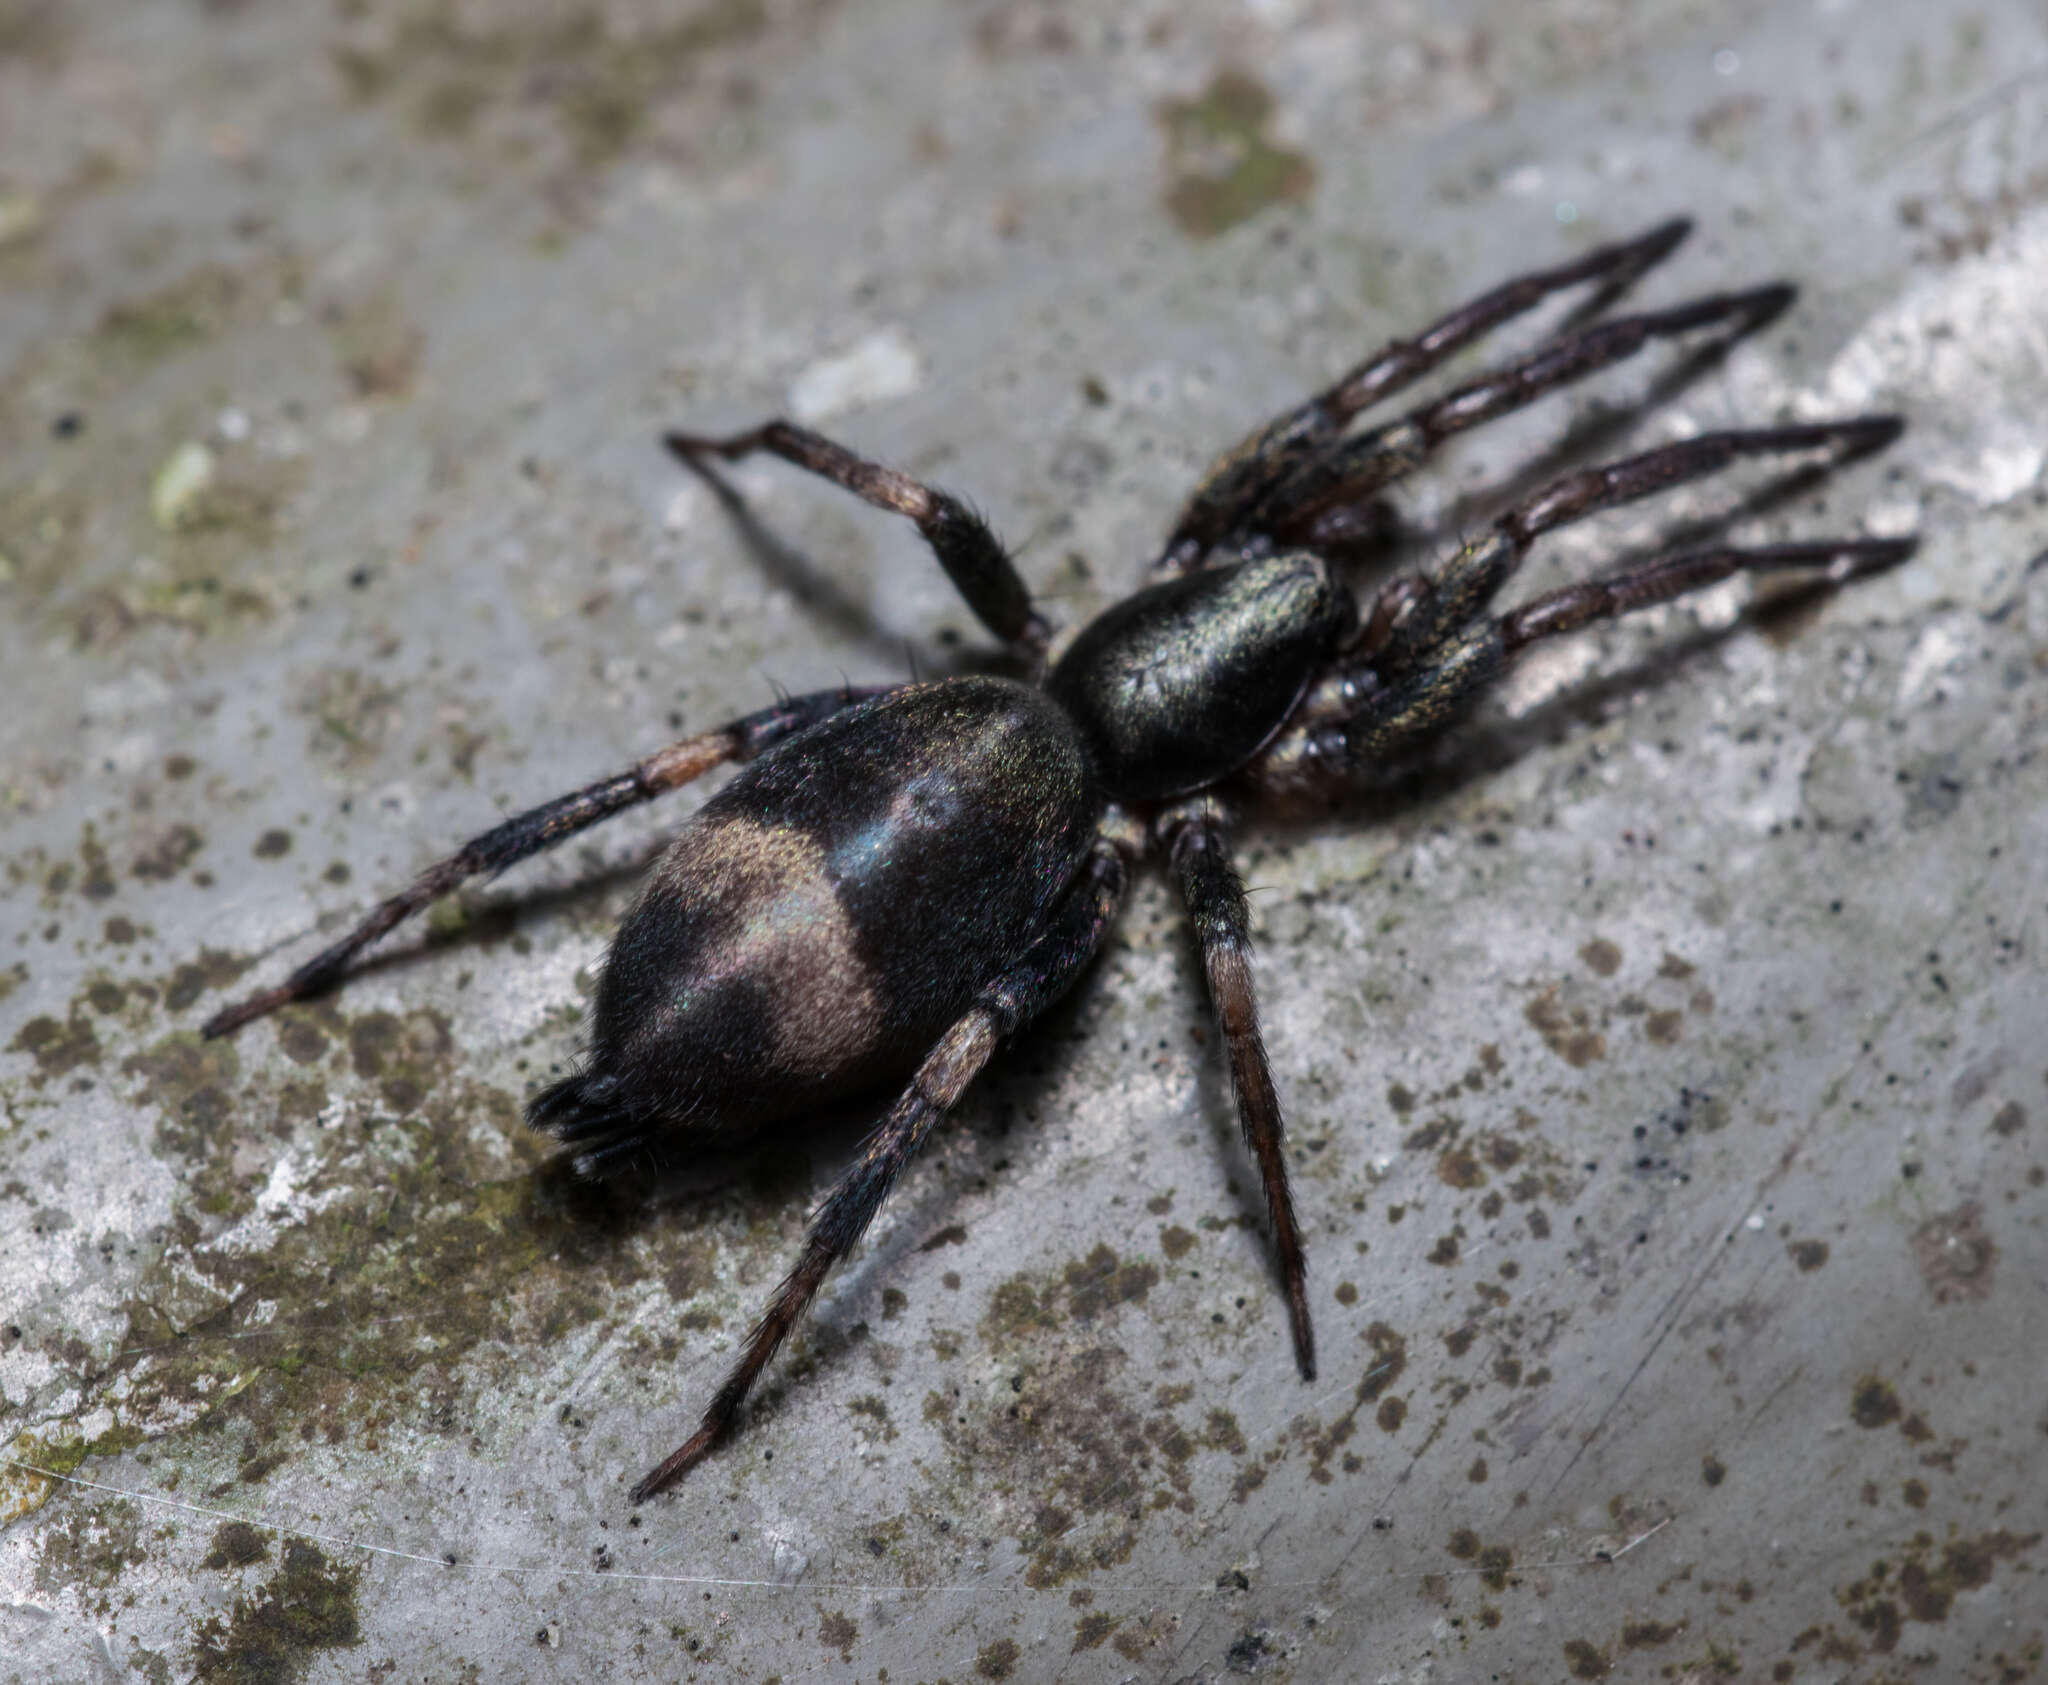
(1023, 991)
(1415, 614)
(1241, 479)
(542, 828)
(1389, 718)
(1215, 899)
(1351, 470)
(1628, 589)
(971, 554)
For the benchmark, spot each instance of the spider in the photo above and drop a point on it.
(903, 876)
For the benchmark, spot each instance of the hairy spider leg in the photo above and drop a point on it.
(1214, 895)
(1242, 478)
(1412, 615)
(1020, 993)
(541, 828)
(1391, 719)
(1349, 471)
(1628, 589)
(965, 546)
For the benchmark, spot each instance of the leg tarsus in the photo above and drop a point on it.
(1578, 495)
(1215, 899)
(1628, 589)
(1605, 343)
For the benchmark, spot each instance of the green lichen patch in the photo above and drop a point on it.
(168, 853)
(838, 1631)
(873, 1425)
(1092, 1630)
(574, 84)
(385, 1307)
(58, 1046)
(91, 1546)
(1102, 1280)
(173, 318)
(402, 1055)
(1586, 1660)
(414, 1254)
(191, 1083)
(36, 1463)
(235, 1545)
(1074, 1460)
(1925, 1582)
(1088, 1287)
(197, 538)
(271, 1637)
(1384, 1368)
(998, 1660)
(1874, 1403)
(352, 716)
(1079, 1463)
(1225, 169)
(1567, 1027)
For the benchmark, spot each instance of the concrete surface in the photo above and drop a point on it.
(1667, 1071)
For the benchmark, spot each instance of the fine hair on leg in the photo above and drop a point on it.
(1214, 895)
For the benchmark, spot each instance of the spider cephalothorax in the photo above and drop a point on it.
(905, 875)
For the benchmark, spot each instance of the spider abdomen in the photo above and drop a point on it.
(829, 913)
(1181, 684)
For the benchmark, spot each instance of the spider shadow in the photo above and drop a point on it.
(823, 596)
(492, 919)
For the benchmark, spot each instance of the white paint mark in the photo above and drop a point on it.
(1544, 672)
(1937, 649)
(1972, 339)
(178, 485)
(683, 507)
(873, 370)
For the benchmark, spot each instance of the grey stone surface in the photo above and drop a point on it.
(1667, 1072)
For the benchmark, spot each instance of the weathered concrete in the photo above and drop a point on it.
(1667, 1075)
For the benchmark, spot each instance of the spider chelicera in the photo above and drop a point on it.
(905, 875)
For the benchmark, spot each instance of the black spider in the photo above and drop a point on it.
(907, 874)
